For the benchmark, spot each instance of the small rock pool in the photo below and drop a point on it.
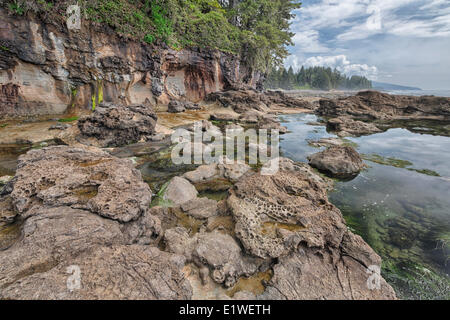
(400, 205)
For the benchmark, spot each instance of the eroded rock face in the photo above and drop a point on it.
(304, 275)
(373, 105)
(288, 216)
(338, 161)
(117, 125)
(82, 69)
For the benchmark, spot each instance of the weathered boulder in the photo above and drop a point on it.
(287, 217)
(117, 125)
(93, 181)
(345, 126)
(179, 191)
(338, 161)
(373, 105)
(176, 107)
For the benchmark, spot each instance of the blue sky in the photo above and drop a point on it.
(404, 42)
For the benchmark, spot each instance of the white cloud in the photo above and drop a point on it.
(343, 65)
(308, 42)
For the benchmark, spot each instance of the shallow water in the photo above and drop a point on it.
(403, 214)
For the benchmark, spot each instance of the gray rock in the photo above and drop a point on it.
(287, 216)
(200, 208)
(176, 106)
(4, 180)
(60, 126)
(345, 126)
(338, 161)
(117, 125)
(224, 117)
(179, 191)
(109, 273)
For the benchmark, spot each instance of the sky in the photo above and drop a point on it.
(405, 42)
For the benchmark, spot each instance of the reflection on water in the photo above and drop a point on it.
(404, 215)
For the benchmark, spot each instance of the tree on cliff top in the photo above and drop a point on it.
(258, 30)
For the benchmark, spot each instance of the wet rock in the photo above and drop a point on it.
(117, 125)
(338, 161)
(327, 142)
(373, 105)
(4, 180)
(116, 272)
(345, 126)
(7, 213)
(242, 101)
(60, 126)
(200, 208)
(176, 107)
(81, 179)
(251, 116)
(179, 191)
(271, 124)
(223, 117)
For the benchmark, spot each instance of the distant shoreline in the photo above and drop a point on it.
(334, 94)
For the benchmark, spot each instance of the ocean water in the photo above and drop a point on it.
(400, 209)
(437, 93)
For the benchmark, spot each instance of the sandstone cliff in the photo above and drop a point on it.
(47, 69)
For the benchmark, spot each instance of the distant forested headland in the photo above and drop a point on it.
(314, 78)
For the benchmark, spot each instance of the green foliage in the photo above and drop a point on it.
(257, 30)
(314, 78)
(70, 119)
(16, 8)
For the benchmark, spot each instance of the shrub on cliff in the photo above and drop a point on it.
(258, 30)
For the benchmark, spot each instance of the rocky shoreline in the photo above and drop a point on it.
(271, 237)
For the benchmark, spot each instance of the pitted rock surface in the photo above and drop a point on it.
(287, 216)
(93, 181)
